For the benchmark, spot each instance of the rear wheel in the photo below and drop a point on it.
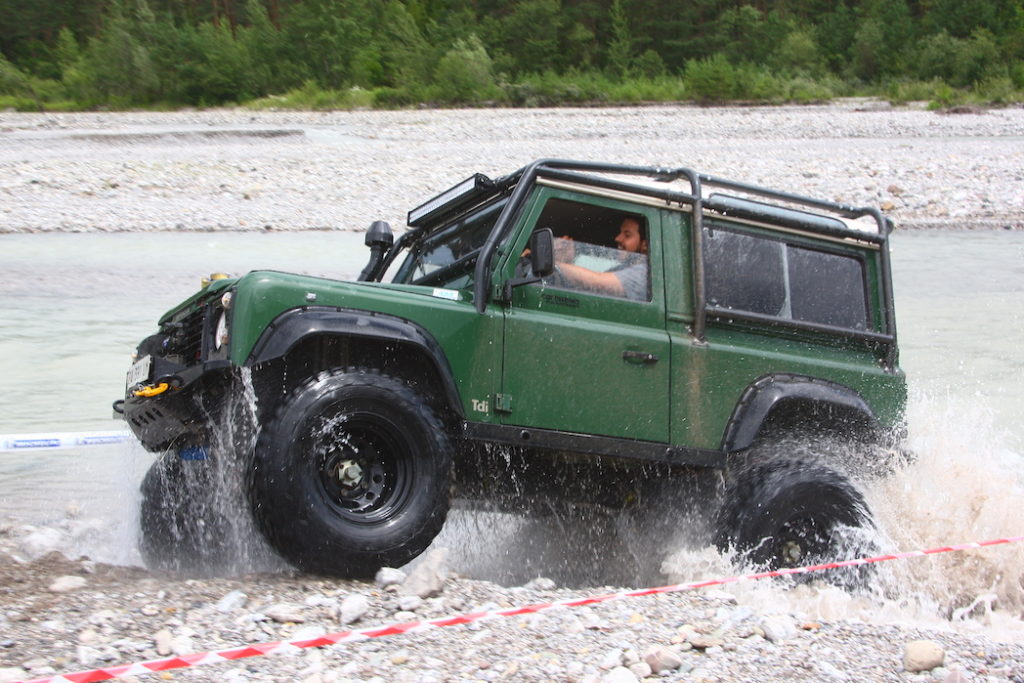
(352, 473)
(793, 513)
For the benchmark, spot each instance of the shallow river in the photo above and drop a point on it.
(72, 306)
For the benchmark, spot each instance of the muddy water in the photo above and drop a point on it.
(72, 307)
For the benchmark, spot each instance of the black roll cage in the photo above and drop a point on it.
(522, 181)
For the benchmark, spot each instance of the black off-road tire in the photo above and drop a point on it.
(791, 513)
(180, 530)
(352, 473)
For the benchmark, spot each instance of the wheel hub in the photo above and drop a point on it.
(792, 553)
(349, 474)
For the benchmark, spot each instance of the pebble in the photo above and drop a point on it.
(388, 576)
(777, 628)
(353, 608)
(922, 655)
(284, 613)
(662, 659)
(427, 577)
(67, 584)
(234, 600)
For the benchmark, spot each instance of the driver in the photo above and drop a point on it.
(629, 279)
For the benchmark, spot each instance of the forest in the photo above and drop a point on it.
(57, 55)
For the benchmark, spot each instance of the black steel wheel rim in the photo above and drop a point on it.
(363, 464)
(802, 539)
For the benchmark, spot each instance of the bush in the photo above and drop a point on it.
(710, 80)
(466, 73)
(901, 92)
(312, 97)
(12, 80)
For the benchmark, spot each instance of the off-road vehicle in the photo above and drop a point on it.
(757, 342)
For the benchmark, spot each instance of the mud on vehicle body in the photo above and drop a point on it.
(462, 365)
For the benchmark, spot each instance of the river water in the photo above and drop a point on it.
(72, 306)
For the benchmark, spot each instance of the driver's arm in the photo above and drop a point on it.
(607, 283)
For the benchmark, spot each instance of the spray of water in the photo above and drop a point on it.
(964, 483)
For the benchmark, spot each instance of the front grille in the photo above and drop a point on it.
(185, 343)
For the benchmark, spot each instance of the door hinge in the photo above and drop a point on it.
(503, 403)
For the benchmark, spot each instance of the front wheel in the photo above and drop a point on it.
(352, 473)
(792, 513)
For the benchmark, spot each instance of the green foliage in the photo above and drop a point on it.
(311, 96)
(393, 53)
(711, 80)
(12, 80)
(798, 53)
(466, 73)
(620, 50)
(959, 61)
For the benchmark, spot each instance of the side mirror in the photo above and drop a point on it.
(542, 252)
(542, 262)
(379, 239)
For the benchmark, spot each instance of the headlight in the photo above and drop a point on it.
(220, 336)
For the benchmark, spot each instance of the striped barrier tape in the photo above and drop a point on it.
(285, 646)
(37, 442)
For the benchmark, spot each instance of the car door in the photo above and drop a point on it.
(580, 359)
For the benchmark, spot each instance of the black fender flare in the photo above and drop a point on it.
(766, 393)
(294, 325)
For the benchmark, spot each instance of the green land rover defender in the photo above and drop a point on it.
(513, 350)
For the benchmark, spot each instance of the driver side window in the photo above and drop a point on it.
(598, 250)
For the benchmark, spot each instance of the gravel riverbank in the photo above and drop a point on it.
(240, 170)
(62, 615)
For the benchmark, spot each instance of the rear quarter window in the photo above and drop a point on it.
(750, 273)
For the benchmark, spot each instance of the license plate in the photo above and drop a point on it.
(139, 372)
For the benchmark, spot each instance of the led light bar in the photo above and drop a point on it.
(470, 189)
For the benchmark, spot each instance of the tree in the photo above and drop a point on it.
(620, 50)
(116, 64)
(465, 73)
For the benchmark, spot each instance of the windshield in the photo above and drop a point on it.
(446, 257)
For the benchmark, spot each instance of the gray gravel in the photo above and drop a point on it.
(241, 170)
(59, 615)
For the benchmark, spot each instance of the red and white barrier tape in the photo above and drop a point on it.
(261, 649)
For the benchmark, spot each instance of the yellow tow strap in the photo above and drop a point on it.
(152, 391)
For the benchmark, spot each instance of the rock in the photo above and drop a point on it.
(236, 599)
(922, 655)
(661, 658)
(388, 576)
(640, 669)
(611, 660)
(410, 603)
(956, 676)
(427, 578)
(87, 656)
(353, 608)
(703, 642)
(778, 628)
(619, 674)
(163, 639)
(10, 674)
(541, 583)
(40, 542)
(66, 584)
(284, 613)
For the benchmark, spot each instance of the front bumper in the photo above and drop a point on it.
(181, 415)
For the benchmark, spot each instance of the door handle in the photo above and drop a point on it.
(639, 357)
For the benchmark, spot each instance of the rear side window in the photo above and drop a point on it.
(749, 273)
